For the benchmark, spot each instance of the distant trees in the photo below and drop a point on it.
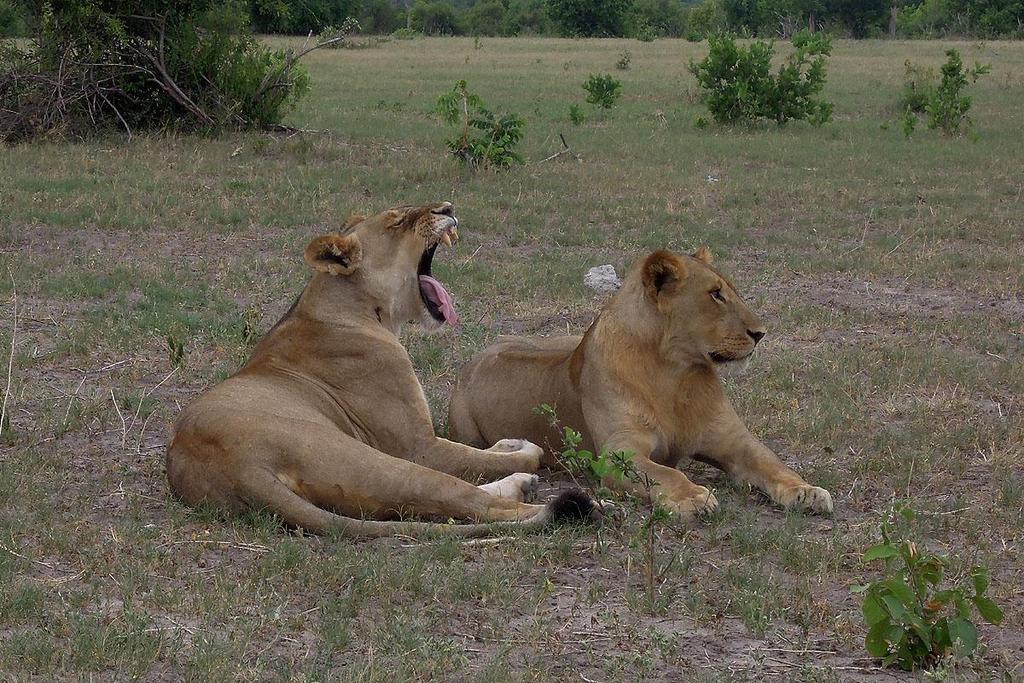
(695, 19)
(590, 18)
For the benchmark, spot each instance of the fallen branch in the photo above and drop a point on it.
(10, 360)
(565, 150)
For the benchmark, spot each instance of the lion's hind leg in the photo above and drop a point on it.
(339, 473)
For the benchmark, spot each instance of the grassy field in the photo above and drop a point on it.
(890, 272)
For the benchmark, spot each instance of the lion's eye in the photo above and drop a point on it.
(716, 294)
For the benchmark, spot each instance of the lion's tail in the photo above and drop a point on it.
(266, 489)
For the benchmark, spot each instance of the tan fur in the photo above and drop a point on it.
(327, 425)
(645, 379)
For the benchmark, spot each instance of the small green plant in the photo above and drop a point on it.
(594, 471)
(738, 84)
(577, 115)
(908, 122)
(175, 349)
(913, 621)
(494, 145)
(624, 59)
(405, 33)
(603, 90)
(947, 108)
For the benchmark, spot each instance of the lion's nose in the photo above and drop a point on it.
(756, 335)
(446, 209)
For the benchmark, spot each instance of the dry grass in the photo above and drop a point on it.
(889, 270)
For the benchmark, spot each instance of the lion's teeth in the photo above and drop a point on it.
(446, 238)
(454, 233)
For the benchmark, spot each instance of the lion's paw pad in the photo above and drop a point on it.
(814, 498)
(529, 485)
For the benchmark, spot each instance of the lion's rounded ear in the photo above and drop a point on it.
(354, 219)
(662, 272)
(335, 254)
(703, 254)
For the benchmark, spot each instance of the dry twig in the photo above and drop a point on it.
(10, 360)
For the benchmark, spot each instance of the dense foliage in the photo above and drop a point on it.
(737, 83)
(101, 64)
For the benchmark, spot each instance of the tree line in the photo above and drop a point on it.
(644, 19)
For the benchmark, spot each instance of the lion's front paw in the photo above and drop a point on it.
(807, 497)
(698, 501)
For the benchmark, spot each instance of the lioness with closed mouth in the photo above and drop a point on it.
(643, 379)
(327, 425)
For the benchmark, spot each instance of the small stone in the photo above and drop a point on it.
(602, 279)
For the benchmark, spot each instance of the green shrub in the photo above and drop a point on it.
(577, 115)
(405, 33)
(947, 108)
(160, 63)
(603, 90)
(913, 621)
(493, 146)
(738, 84)
(918, 88)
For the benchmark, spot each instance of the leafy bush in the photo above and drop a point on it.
(494, 145)
(947, 108)
(918, 88)
(107, 64)
(738, 84)
(577, 115)
(603, 90)
(405, 33)
(940, 100)
(624, 59)
(912, 620)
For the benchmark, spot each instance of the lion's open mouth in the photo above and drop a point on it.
(435, 297)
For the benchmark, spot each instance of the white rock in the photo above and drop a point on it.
(602, 279)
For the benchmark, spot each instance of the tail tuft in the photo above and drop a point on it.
(573, 505)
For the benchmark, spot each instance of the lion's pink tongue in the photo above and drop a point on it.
(437, 294)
